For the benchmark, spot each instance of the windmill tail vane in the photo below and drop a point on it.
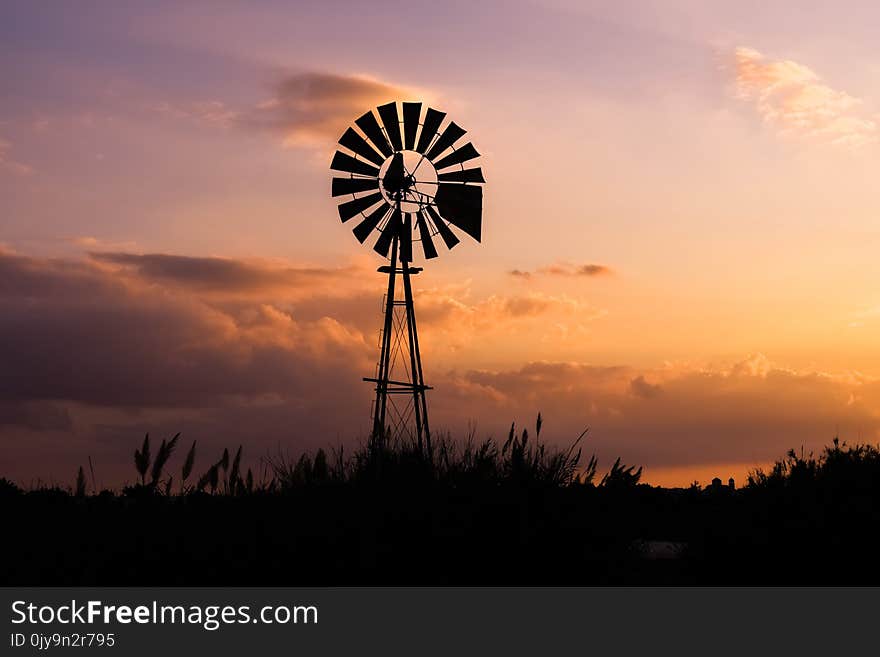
(407, 182)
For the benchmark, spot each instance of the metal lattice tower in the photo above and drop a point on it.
(400, 409)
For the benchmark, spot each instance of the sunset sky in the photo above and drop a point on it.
(680, 238)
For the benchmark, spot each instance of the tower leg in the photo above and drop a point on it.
(378, 436)
(420, 407)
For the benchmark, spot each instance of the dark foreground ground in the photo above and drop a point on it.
(333, 536)
(809, 521)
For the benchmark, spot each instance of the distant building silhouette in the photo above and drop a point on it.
(717, 484)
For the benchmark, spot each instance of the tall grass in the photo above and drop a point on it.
(838, 465)
(519, 461)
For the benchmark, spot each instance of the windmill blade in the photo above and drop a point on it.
(462, 206)
(406, 239)
(343, 186)
(349, 209)
(463, 154)
(451, 135)
(464, 175)
(389, 232)
(445, 231)
(411, 114)
(370, 126)
(344, 162)
(357, 144)
(368, 225)
(392, 124)
(433, 119)
(425, 235)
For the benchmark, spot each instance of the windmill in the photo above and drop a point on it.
(408, 182)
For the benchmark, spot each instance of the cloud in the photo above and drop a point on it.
(92, 243)
(314, 106)
(304, 108)
(74, 332)
(10, 165)
(794, 99)
(750, 411)
(565, 269)
(229, 276)
(96, 351)
(158, 330)
(453, 320)
(575, 270)
(641, 388)
(101, 349)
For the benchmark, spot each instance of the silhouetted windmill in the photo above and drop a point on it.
(409, 183)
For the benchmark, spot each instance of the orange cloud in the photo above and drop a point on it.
(452, 320)
(748, 412)
(794, 99)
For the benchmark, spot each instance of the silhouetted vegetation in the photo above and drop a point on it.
(519, 461)
(471, 512)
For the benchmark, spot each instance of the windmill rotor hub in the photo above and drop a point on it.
(412, 181)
